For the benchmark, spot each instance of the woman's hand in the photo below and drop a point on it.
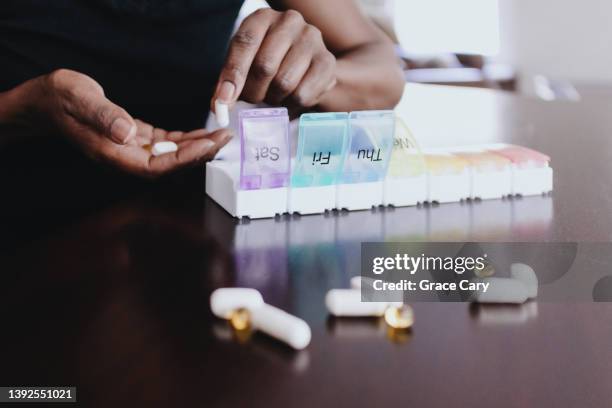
(74, 105)
(277, 58)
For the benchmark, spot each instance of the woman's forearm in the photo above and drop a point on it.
(13, 109)
(369, 77)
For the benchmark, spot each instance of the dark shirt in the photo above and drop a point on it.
(159, 59)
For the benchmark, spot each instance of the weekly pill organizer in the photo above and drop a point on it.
(359, 160)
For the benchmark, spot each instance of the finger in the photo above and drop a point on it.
(93, 109)
(159, 135)
(190, 152)
(144, 133)
(295, 65)
(319, 78)
(278, 41)
(177, 136)
(242, 50)
(290, 74)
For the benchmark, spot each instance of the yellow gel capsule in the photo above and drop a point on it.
(398, 336)
(401, 317)
(242, 336)
(486, 271)
(240, 319)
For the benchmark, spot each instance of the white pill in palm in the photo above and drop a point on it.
(501, 290)
(222, 113)
(347, 302)
(281, 325)
(527, 275)
(224, 301)
(160, 148)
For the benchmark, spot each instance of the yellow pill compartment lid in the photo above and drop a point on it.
(440, 162)
(406, 158)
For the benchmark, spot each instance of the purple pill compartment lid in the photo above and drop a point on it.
(265, 154)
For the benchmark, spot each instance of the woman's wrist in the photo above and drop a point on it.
(363, 84)
(14, 104)
(18, 118)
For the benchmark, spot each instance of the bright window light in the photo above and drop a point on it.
(442, 26)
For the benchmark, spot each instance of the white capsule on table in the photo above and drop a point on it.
(506, 314)
(222, 113)
(527, 275)
(347, 302)
(224, 301)
(281, 325)
(502, 290)
(357, 282)
(160, 148)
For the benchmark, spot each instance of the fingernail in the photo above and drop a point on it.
(226, 92)
(121, 130)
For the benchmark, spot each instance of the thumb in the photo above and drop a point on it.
(104, 117)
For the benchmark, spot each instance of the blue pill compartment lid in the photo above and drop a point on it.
(322, 145)
(371, 136)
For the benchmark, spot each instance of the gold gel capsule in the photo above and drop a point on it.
(240, 319)
(399, 317)
(242, 336)
(486, 271)
(398, 336)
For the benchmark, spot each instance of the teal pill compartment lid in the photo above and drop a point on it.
(370, 146)
(322, 144)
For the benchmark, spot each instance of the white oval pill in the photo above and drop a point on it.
(160, 148)
(281, 325)
(224, 301)
(347, 302)
(527, 275)
(501, 290)
(222, 113)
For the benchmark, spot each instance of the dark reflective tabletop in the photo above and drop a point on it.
(106, 282)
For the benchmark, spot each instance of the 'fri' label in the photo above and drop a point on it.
(320, 159)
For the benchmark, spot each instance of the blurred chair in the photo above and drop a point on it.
(444, 67)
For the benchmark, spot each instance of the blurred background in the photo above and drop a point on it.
(548, 49)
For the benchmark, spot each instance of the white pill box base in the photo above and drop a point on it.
(489, 185)
(532, 181)
(402, 192)
(221, 185)
(311, 200)
(359, 196)
(449, 188)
